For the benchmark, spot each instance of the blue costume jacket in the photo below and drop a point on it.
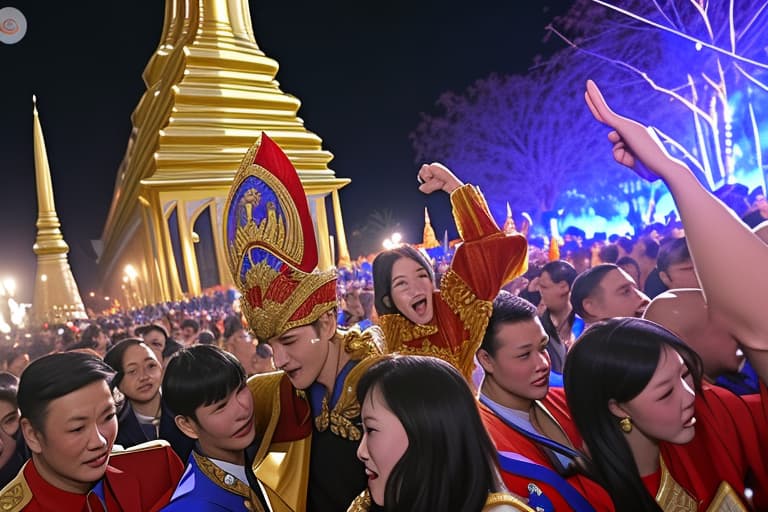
(205, 487)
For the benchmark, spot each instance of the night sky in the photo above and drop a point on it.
(362, 70)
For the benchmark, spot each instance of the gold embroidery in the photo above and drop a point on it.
(227, 482)
(399, 330)
(726, 500)
(671, 496)
(16, 495)
(362, 503)
(12, 497)
(343, 419)
(428, 349)
(272, 318)
(503, 498)
(473, 312)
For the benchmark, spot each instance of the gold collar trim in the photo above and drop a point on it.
(227, 481)
(672, 497)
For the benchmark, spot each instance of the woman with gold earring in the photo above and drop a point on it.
(659, 439)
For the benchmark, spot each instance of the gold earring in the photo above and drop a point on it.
(626, 425)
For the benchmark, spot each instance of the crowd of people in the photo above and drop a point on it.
(619, 375)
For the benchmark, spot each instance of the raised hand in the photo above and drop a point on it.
(436, 176)
(634, 145)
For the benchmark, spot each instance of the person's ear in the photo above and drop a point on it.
(187, 426)
(32, 436)
(485, 360)
(591, 307)
(615, 408)
(665, 279)
(326, 325)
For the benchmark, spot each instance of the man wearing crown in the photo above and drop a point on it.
(307, 415)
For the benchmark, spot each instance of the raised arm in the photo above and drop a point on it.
(727, 255)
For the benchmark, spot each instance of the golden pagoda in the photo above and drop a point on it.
(210, 92)
(429, 239)
(56, 297)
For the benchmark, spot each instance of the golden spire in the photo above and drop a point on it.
(430, 239)
(56, 297)
(210, 92)
(509, 223)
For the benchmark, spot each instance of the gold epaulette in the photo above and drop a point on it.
(361, 344)
(17, 494)
(496, 499)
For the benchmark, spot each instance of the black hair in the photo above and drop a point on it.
(650, 247)
(190, 322)
(264, 351)
(614, 360)
(560, 271)
(447, 442)
(198, 376)
(54, 376)
(609, 253)
(507, 309)
(90, 334)
(671, 252)
(626, 243)
(114, 357)
(9, 388)
(628, 260)
(382, 276)
(206, 337)
(232, 324)
(586, 283)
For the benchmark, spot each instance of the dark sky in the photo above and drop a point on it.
(363, 71)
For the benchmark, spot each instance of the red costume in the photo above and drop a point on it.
(509, 440)
(140, 480)
(729, 446)
(485, 261)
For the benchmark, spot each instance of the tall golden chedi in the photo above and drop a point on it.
(56, 298)
(210, 92)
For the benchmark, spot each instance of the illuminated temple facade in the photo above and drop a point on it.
(210, 92)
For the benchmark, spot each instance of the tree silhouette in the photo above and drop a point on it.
(706, 58)
(526, 139)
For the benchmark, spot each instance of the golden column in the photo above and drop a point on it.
(56, 298)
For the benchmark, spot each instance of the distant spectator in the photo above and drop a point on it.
(206, 337)
(609, 254)
(630, 266)
(189, 330)
(16, 360)
(156, 337)
(263, 361)
(93, 337)
(606, 291)
(675, 265)
(13, 450)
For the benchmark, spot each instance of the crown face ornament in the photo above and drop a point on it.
(271, 247)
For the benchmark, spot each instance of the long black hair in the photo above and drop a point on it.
(447, 442)
(382, 276)
(614, 360)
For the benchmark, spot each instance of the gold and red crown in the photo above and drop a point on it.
(271, 247)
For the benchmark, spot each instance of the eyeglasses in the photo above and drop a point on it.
(10, 423)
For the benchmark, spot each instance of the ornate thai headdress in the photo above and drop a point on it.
(271, 245)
